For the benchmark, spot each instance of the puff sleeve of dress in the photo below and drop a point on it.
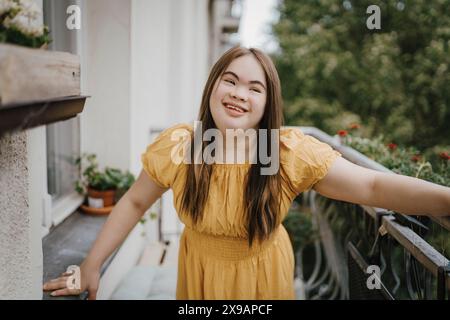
(305, 160)
(161, 160)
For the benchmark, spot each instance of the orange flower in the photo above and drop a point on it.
(354, 126)
(415, 158)
(392, 146)
(342, 133)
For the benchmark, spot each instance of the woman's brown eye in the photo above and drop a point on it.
(229, 81)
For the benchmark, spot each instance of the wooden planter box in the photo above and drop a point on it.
(37, 87)
(34, 74)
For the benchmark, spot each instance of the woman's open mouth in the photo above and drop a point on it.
(234, 110)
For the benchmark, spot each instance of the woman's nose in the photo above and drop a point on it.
(239, 94)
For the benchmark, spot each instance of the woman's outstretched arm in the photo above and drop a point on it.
(352, 183)
(122, 219)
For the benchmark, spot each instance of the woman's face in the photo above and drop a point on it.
(243, 87)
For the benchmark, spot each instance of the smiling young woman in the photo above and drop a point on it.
(234, 245)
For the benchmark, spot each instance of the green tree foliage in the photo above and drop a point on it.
(395, 81)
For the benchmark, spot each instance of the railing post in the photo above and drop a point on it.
(442, 289)
(375, 252)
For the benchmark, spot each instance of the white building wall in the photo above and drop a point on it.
(150, 64)
(144, 65)
(188, 73)
(105, 121)
(169, 68)
(37, 193)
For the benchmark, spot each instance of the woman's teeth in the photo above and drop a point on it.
(234, 108)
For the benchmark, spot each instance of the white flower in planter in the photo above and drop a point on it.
(26, 20)
(31, 7)
(21, 23)
(25, 25)
(7, 5)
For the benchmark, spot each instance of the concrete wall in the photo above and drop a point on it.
(17, 276)
(22, 185)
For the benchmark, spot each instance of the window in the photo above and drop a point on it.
(63, 138)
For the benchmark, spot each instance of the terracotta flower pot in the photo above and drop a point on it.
(100, 199)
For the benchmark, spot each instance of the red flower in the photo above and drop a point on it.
(444, 156)
(342, 133)
(354, 126)
(392, 146)
(415, 158)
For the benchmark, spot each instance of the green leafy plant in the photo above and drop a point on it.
(334, 70)
(93, 177)
(124, 183)
(299, 226)
(433, 167)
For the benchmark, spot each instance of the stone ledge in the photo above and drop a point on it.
(68, 244)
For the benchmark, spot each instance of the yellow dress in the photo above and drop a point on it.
(215, 261)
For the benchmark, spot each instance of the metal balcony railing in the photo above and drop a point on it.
(408, 251)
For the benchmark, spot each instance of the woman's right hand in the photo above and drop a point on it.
(89, 280)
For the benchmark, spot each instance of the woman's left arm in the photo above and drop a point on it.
(352, 183)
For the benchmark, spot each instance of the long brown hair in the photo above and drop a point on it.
(262, 192)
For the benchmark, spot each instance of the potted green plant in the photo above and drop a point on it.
(101, 188)
(124, 183)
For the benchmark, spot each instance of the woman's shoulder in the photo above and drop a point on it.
(177, 129)
(293, 141)
(171, 136)
(163, 156)
(296, 145)
(304, 159)
(290, 137)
